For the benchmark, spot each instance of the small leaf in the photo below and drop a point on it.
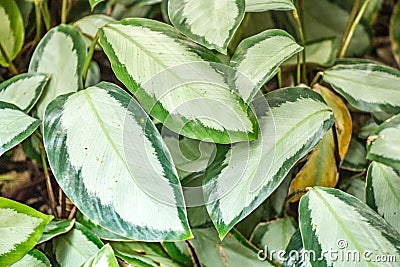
(265, 5)
(207, 22)
(56, 228)
(12, 31)
(15, 126)
(367, 86)
(179, 252)
(23, 90)
(383, 145)
(333, 220)
(21, 227)
(257, 60)
(367, 129)
(94, 3)
(104, 258)
(383, 192)
(61, 46)
(116, 167)
(177, 82)
(354, 187)
(34, 258)
(241, 177)
(395, 32)
(355, 159)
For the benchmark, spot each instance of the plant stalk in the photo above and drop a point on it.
(11, 66)
(89, 56)
(302, 42)
(350, 21)
(279, 77)
(64, 9)
(38, 20)
(50, 191)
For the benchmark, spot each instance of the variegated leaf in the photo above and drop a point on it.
(333, 220)
(62, 46)
(294, 252)
(12, 31)
(257, 60)
(20, 229)
(56, 228)
(367, 86)
(104, 258)
(356, 157)
(265, 5)
(241, 177)
(383, 145)
(115, 168)
(15, 126)
(23, 90)
(179, 252)
(383, 192)
(207, 22)
(34, 258)
(177, 82)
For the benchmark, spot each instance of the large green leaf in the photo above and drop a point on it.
(331, 220)
(23, 90)
(395, 32)
(265, 5)
(11, 31)
(241, 177)
(115, 167)
(104, 258)
(367, 86)
(208, 22)
(20, 229)
(176, 82)
(33, 258)
(15, 126)
(61, 53)
(257, 60)
(383, 192)
(383, 145)
(56, 228)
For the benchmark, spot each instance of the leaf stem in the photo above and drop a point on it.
(352, 29)
(38, 21)
(316, 79)
(350, 21)
(46, 14)
(302, 41)
(279, 77)
(89, 56)
(64, 9)
(11, 66)
(298, 69)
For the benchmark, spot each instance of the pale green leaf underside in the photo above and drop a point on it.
(265, 5)
(383, 192)
(115, 169)
(242, 177)
(368, 87)
(61, 53)
(330, 219)
(56, 228)
(103, 258)
(23, 90)
(15, 126)
(34, 258)
(257, 60)
(176, 81)
(208, 22)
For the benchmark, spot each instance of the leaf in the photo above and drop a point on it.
(55, 228)
(383, 192)
(33, 258)
(23, 90)
(265, 5)
(94, 3)
(104, 258)
(115, 167)
(207, 22)
(242, 177)
(257, 60)
(355, 187)
(179, 252)
(368, 87)
(15, 126)
(73, 248)
(61, 46)
(333, 220)
(383, 145)
(230, 252)
(12, 32)
(142, 254)
(395, 32)
(174, 83)
(355, 159)
(21, 227)
(294, 252)
(367, 129)
(274, 236)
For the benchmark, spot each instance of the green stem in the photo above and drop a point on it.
(316, 79)
(279, 76)
(11, 66)
(48, 181)
(350, 21)
(238, 34)
(64, 8)
(89, 56)
(353, 27)
(38, 21)
(46, 14)
(298, 69)
(302, 42)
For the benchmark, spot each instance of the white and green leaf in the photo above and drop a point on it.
(104, 258)
(356, 157)
(61, 46)
(33, 258)
(115, 169)
(383, 192)
(241, 177)
(23, 90)
(331, 219)
(383, 145)
(21, 228)
(179, 83)
(12, 32)
(367, 86)
(15, 126)
(266, 5)
(207, 22)
(258, 58)
(55, 228)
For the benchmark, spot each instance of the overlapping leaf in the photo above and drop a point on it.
(179, 252)
(56, 228)
(103, 258)
(33, 258)
(265, 5)
(355, 159)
